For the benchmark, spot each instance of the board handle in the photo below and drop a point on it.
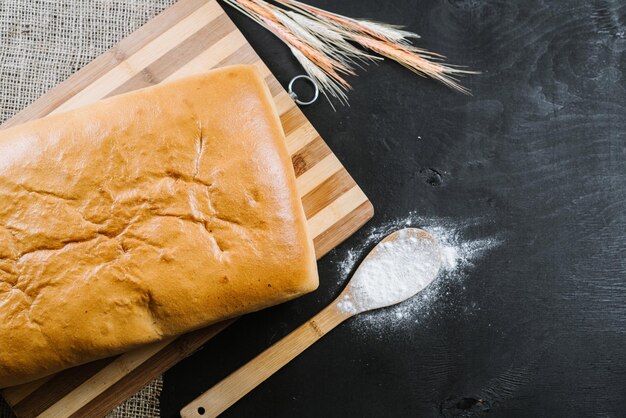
(221, 396)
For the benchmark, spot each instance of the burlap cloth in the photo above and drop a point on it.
(43, 42)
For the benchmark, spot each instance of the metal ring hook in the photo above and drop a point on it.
(294, 96)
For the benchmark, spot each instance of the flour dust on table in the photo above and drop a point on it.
(458, 256)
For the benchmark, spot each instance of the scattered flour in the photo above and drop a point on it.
(457, 256)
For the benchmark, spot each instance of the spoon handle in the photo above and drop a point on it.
(221, 396)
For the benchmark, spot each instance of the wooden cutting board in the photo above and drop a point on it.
(190, 37)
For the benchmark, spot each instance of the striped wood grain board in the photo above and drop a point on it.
(192, 36)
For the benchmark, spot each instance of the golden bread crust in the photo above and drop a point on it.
(144, 216)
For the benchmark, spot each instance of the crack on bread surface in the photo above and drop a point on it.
(200, 151)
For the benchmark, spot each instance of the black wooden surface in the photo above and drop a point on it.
(538, 327)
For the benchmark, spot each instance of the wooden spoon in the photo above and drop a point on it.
(398, 267)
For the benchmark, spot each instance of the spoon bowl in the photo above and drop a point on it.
(396, 269)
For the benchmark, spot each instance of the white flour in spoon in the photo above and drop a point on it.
(458, 255)
(396, 270)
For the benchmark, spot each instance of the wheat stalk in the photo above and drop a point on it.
(329, 46)
(383, 31)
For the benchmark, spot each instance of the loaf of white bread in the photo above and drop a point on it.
(145, 216)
